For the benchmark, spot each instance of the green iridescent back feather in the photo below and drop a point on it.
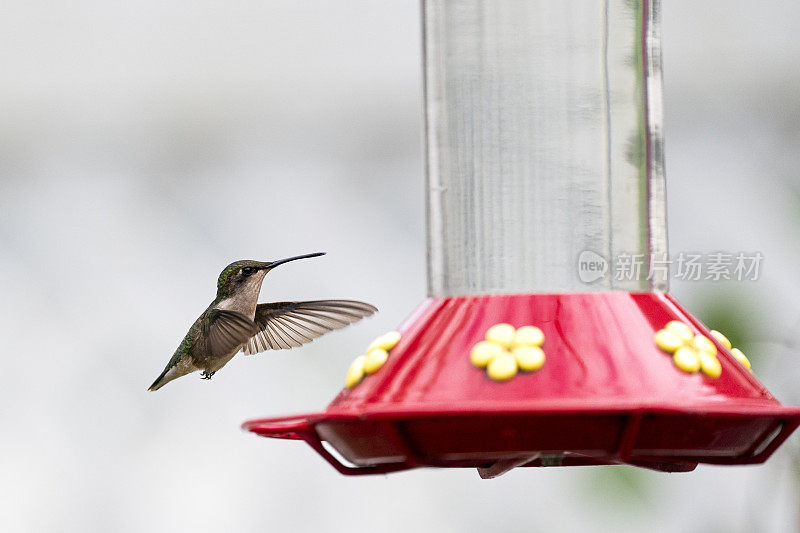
(185, 349)
(187, 345)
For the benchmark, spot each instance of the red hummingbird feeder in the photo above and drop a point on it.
(544, 167)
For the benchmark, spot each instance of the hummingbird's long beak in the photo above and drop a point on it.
(273, 264)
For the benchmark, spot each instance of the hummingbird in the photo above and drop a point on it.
(236, 321)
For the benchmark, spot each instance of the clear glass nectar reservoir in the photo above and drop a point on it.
(544, 143)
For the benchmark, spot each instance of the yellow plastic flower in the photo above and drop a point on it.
(690, 352)
(507, 350)
(376, 355)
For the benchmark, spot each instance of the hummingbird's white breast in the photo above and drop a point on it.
(245, 298)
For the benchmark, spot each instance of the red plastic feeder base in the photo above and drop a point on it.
(605, 395)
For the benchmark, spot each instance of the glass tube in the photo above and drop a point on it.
(544, 147)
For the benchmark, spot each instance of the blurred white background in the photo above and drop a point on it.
(145, 145)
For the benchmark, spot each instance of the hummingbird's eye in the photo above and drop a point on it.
(246, 271)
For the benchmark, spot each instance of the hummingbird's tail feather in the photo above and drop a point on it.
(159, 382)
(170, 373)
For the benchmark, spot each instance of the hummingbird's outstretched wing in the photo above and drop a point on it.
(226, 330)
(284, 325)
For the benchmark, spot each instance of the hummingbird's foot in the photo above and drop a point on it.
(207, 375)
